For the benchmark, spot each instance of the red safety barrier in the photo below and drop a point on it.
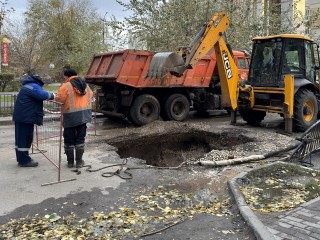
(93, 125)
(48, 137)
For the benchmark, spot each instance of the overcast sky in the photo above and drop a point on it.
(103, 6)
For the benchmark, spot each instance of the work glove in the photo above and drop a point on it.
(51, 96)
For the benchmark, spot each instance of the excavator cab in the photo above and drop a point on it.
(274, 57)
(282, 79)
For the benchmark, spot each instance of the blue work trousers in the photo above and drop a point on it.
(23, 141)
(74, 136)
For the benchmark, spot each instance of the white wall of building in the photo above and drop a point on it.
(312, 7)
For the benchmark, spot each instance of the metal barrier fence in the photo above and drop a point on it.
(310, 143)
(48, 137)
(7, 101)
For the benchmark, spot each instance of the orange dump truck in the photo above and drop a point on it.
(126, 91)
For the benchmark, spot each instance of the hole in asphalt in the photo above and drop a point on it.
(171, 149)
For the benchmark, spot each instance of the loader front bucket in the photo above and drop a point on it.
(166, 62)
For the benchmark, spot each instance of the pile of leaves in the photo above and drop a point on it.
(151, 208)
(279, 187)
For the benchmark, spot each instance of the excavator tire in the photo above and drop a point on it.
(305, 110)
(145, 109)
(176, 107)
(252, 117)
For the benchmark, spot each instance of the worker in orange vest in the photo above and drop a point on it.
(76, 97)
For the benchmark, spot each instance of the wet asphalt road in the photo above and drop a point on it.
(203, 226)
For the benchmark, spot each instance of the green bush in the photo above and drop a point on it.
(13, 86)
(5, 80)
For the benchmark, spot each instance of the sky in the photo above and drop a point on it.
(111, 7)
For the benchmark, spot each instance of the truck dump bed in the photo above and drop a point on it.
(121, 66)
(129, 67)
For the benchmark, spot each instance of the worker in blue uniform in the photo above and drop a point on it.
(28, 110)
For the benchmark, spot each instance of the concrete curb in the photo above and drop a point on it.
(4, 121)
(260, 230)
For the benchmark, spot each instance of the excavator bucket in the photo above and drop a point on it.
(176, 63)
(164, 62)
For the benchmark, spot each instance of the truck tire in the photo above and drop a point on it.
(252, 117)
(305, 110)
(145, 109)
(176, 107)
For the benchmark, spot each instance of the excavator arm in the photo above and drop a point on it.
(229, 75)
(176, 63)
(211, 35)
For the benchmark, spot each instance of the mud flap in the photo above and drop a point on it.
(166, 62)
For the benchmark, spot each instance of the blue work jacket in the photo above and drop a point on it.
(28, 107)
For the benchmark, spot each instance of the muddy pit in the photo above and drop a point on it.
(172, 149)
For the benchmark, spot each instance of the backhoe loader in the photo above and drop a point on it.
(282, 79)
(282, 75)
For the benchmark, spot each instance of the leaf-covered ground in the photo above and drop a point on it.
(150, 210)
(279, 187)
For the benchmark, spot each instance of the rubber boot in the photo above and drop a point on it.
(79, 154)
(70, 156)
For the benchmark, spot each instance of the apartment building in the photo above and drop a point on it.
(295, 10)
(313, 19)
(303, 15)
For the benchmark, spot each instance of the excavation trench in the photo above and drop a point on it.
(169, 150)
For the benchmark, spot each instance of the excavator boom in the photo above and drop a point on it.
(211, 33)
(176, 63)
(229, 75)
(209, 37)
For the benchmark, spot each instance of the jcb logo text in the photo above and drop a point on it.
(227, 65)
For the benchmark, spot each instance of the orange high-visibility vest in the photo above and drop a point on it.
(77, 109)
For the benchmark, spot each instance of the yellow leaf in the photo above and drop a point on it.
(132, 222)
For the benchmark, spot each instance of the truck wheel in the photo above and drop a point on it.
(253, 117)
(145, 109)
(305, 110)
(176, 107)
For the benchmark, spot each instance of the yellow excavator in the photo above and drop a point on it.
(282, 77)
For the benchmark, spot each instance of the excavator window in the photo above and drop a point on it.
(299, 59)
(292, 63)
(266, 62)
(310, 62)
